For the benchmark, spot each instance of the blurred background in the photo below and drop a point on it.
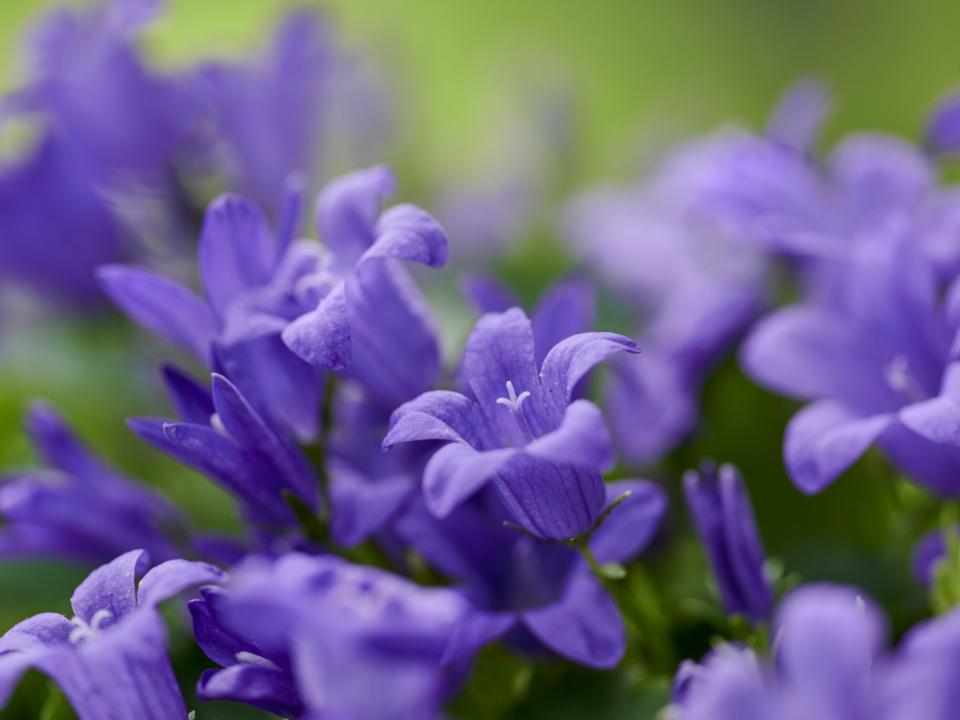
(613, 84)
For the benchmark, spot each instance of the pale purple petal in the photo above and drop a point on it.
(111, 587)
(457, 471)
(406, 232)
(322, 336)
(581, 439)
(568, 307)
(438, 415)
(824, 439)
(572, 358)
(162, 306)
(633, 524)
(173, 577)
(585, 626)
(347, 212)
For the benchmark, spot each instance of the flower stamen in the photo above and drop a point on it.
(82, 630)
(514, 403)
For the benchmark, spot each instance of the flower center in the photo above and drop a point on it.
(901, 379)
(82, 630)
(514, 403)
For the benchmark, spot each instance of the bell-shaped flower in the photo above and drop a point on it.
(724, 521)
(110, 659)
(518, 428)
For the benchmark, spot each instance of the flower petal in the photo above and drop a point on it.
(824, 439)
(633, 524)
(581, 439)
(408, 233)
(191, 400)
(322, 336)
(110, 587)
(554, 501)
(267, 688)
(584, 626)
(566, 308)
(173, 577)
(347, 212)
(438, 415)
(456, 471)
(236, 250)
(571, 359)
(162, 306)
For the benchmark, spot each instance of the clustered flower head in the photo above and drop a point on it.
(412, 516)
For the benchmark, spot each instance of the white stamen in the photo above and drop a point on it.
(250, 658)
(513, 401)
(217, 424)
(82, 630)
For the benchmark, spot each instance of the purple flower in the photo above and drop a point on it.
(697, 291)
(333, 307)
(77, 506)
(873, 352)
(724, 521)
(943, 126)
(110, 128)
(249, 675)
(109, 659)
(517, 428)
(535, 594)
(269, 115)
(828, 641)
(337, 639)
(223, 436)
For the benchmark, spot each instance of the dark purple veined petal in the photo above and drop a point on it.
(438, 415)
(581, 439)
(554, 501)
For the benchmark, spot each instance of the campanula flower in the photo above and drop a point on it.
(518, 428)
(724, 521)
(110, 659)
(357, 642)
(79, 507)
(828, 643)
(531, 593)
(873, 352)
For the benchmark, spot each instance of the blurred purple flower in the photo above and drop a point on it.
(517, 428)
(828, 641)
(356, 641)
(77, 506)
(110, 659)
(534, 593)
(873, 352)
(725, 523)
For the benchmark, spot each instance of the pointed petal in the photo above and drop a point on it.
(235, 252)
(500, 350)
(190, 399)
(37, 633)
(456, 471)
(824, 439)
(571, 359)
(630, 528)
(584, 626)
(175, 576)
(57, 444)
(111, 587)
(162, 306)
